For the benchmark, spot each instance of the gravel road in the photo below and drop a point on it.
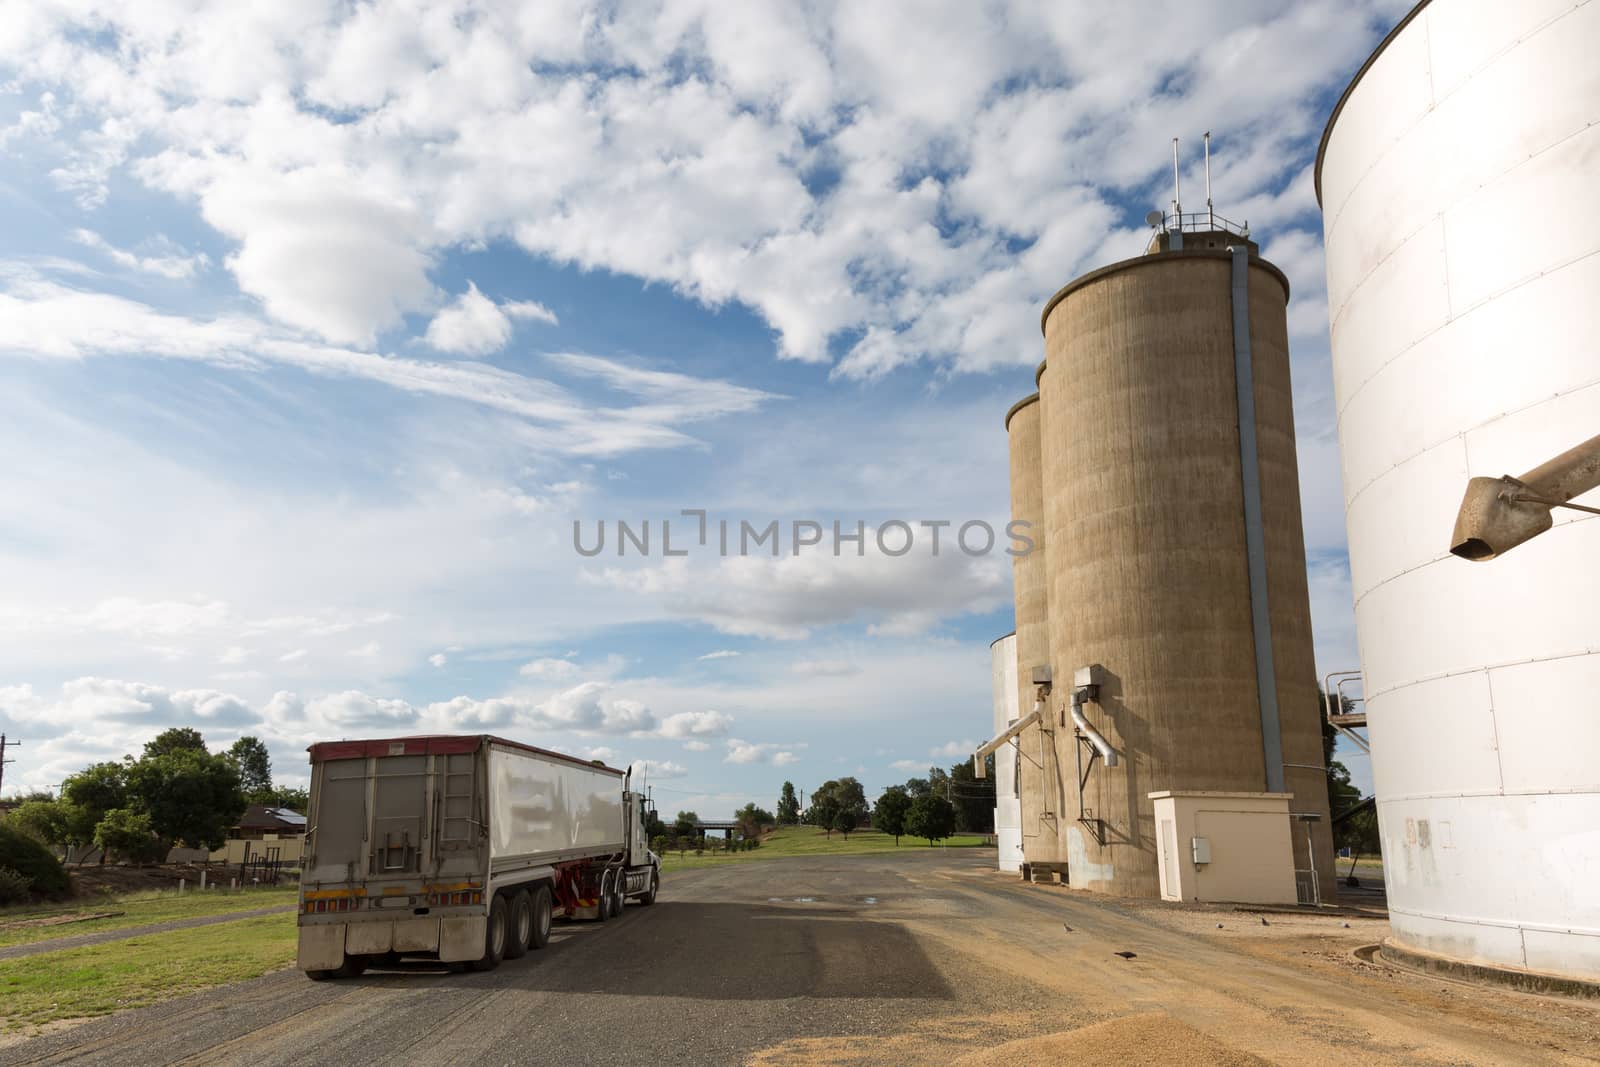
(871, 959)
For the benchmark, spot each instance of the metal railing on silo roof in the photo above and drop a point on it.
(1202, 222)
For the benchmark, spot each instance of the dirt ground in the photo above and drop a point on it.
(882, 959)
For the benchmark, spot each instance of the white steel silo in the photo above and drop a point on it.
(1458, 181)
(1007, 804)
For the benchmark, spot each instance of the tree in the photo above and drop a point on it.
(788, 806)
(844, 820)
(191, 796)
(249, 755)
(92, 792)
(288, 796)
(889, 814)
(932, 817)
(973, 797)
(753, 820)
(686, 826)
(824, 806)
(128, 833)
(176, 739)
(46, 820)
(851, 797)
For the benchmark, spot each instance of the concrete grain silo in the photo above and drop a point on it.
(1177, 558)
(1007, 796)
(1457, 180)
(1041, 783)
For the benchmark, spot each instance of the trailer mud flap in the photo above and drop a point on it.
(368, 939)
(416, 935)
(321, 947)
(461, 940)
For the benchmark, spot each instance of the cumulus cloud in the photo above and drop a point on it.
(696, 724)
(659, 768)
(530, 310)
(789, 596)
(903, 189)
(438, 659)
(474, 325)
(548, 668)
(752, 752)
(953, 749)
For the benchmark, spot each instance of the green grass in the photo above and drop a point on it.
(809, 841)
(137, 910)
(94, 980)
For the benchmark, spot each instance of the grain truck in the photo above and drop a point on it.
(462, 849)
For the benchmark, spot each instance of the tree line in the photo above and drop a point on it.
(177, 792)
(933, 807)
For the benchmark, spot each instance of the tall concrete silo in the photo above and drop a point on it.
(1176, 558)
(1007, 795)
(1457, 179)
(1040, 781)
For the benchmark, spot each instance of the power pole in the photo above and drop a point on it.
(4, 761)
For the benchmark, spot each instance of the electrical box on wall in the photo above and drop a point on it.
(1201, 846)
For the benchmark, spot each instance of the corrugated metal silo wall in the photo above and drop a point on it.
(1457, 182)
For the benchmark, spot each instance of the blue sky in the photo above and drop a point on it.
(320, 324)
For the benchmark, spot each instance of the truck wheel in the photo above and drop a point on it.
(620, 887)
(603, 904)
(649, 896)
(540, 926)
(352, 967)
(521, 925)
(495, 936)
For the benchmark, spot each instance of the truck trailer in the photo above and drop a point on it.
(461, 848)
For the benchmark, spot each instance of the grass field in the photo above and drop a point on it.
(137, 910)
(809, 841)
(93, 980)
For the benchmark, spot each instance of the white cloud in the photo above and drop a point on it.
(914, 765)
(917, 184)
(367, 651)
(696, 746)
(659, 768)
(604, 753)
(836, 667)
(746, 752)
(438, 659)
(176, 264)
(552, 669)
(953, 749)
(721, 653)
(693, 724)
(530, 310)
(40, 318)
(473, 326)
(294, 656)
(783, 759)
(789, 596)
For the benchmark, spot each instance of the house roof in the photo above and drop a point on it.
(259, 816)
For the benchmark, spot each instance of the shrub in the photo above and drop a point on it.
(33, 861)
(14, 888)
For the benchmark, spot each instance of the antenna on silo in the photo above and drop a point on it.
(1177, 207)
(1211, 215)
